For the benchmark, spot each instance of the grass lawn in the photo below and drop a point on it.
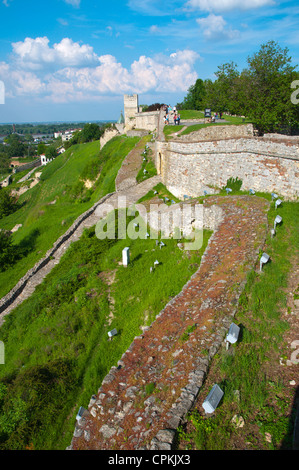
(148, 168)
(169, 129)
(191, 114)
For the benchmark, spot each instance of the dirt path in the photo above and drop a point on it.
(131, 165)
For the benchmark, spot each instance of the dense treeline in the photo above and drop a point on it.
(261, 92)
(46, 129)
(89, 133)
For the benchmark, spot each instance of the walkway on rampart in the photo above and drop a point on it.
(142, 401)
(126, 176)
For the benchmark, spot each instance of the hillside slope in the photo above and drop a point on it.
(68, 186)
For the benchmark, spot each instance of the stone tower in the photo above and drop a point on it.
(131, 107)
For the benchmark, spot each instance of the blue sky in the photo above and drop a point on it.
(72, 60)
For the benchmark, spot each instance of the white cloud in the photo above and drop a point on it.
(173, 73)
(227, 5)
(74, 3)
(36, 53)
(69, 71)
(62, 21)
(154, 29)
(215, 27)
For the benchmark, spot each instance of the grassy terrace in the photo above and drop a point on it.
(48, 209)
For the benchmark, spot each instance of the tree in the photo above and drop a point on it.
(270, 75)
(51, 152)
(41, 148)
(15, 147)
(4, 162)
(90, 132)
(225, 88)
(7, 203)
(195, 97)
(153, 107)
(7, 250)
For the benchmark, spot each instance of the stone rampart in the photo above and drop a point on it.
(190, 168)
(108, 135)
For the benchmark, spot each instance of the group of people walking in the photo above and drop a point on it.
(169, 111)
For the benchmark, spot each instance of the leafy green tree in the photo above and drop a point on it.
(41, 148)
(195, 97)
(32, 401)
(270, 75)
(7, 251)
(15, 148)
(4, 162)
(90, 132)
(225, 86)
(51, 152)
(7, 203)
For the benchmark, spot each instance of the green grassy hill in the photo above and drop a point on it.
(56, 344)
(47, 210)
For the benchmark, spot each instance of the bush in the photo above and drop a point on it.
(33, 400)
(234, 184)
(7, 203)
(7, 251)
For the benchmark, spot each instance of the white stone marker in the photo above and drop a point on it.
(233, 333)
(212, 401)
(126, 256)
(112, 333)
(264, 259)
(277, 220)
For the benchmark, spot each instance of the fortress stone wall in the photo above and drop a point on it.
(263, 164)
(108, 135)
(27, 166)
